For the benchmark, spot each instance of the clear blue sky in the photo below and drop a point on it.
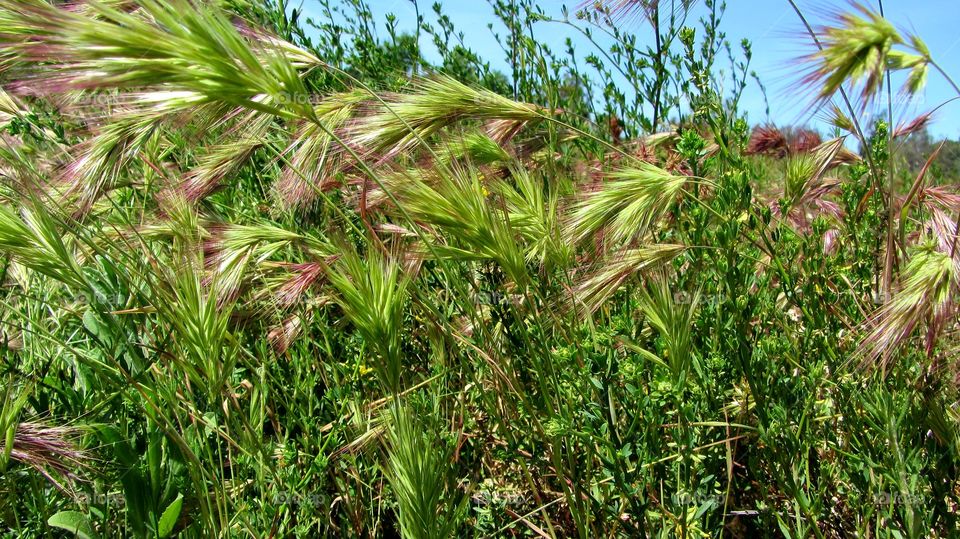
(772, 27)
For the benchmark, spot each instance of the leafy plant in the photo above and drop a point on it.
(267, 275)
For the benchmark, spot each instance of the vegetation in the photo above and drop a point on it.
(270, 276)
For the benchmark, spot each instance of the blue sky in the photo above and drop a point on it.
(772, 27)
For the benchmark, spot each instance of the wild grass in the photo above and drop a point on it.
(257, 283)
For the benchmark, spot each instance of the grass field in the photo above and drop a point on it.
(264, 276)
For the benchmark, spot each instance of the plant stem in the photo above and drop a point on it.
(890, 256)
(956, 230)
(843, 93)
(658, 64)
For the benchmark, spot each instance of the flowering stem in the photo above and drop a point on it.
(956, 229)
(846, 100)
(843, 93)
(891, 254)
(945, 75)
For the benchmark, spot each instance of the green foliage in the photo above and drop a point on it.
(268, 276)
(73, 522)
(418, 472)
